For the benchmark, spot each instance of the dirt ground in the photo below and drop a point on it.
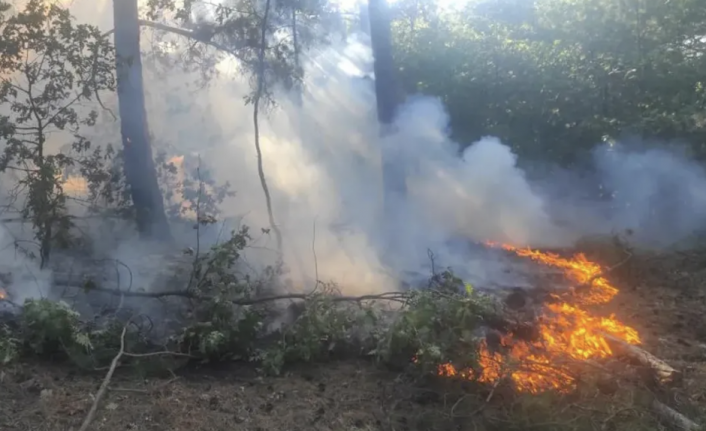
(664, 297)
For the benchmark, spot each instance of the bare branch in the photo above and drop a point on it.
(189, 34)
(106, 381)
(386, 296)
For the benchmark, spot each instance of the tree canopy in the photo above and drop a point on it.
(552, 78)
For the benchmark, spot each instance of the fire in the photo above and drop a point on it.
(579, 269)
(75, 185)
(566, 332)
(3, 294)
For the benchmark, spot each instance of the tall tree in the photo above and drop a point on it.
(387, 90)
(388, 96)
(252, 32)
(139, 167)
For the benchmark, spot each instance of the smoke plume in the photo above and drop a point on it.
(322, 160)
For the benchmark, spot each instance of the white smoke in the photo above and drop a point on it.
(322, 161)
(19, 272)
(660, 194)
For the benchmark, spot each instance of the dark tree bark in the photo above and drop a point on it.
(140, 170)
(389, 96)
(387, 90)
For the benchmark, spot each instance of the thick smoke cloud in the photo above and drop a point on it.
(322, 160)
(659, 194)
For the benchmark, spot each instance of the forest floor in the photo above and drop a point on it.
(664, 297)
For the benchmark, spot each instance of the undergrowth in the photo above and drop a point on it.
(227, 322)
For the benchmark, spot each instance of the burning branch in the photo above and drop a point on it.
(589, 283)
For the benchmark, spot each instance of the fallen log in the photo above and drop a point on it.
(662, 372)
(521, 329)
(663, 375)
(673, 418)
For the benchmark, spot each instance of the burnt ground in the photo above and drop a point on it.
(664, 297)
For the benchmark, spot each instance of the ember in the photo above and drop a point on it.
(566, 331)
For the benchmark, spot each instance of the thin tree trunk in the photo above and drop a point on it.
(256, 124)
(295, 41)
(140, 170)
(295, 38)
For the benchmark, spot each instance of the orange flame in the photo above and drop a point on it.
(565, 331)
(3, 294)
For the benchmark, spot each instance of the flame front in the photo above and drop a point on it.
(566, 332)
(3, 294)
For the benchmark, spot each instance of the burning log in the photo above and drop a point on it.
(526, 330)
(662, 372)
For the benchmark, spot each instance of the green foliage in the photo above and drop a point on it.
(431, 326)
(9, 346)
(323, 329)
(553, 78)
(236, 28)
(196, 194)
(49, 66)
(108, 192)
(227, 337)
(222, 330)
(437, 325)
(50, 328)
(187, 189)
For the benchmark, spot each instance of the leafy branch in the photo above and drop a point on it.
(49, 67)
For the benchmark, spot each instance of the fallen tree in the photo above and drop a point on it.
(662, 373)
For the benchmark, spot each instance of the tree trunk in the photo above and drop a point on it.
(388, 95)
(140, 171)
(387, 91)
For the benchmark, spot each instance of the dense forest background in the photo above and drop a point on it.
(217, 95)
(553, 78)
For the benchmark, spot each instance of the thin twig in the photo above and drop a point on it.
(197, 253)
(151, 354)
(316, 260)
(482, 407)
(146, 391)
(111, 370)
(106, 381)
